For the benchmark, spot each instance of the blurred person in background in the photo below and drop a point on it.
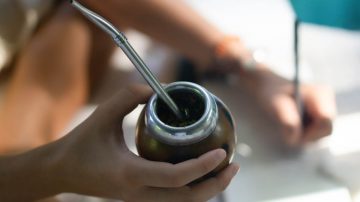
(64, 57)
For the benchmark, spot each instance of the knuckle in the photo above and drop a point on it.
(176, 180)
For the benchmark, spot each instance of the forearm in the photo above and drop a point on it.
(49, 83)
(171, 22)
(30, 176)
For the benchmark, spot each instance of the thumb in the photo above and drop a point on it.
(123, 103)
(286, 113)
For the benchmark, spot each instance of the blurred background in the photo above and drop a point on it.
(329, 54)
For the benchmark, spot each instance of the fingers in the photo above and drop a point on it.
(320, 104)
(211, 187)
(199, 192)
(123, 103)
(159, 174)
(287, 114)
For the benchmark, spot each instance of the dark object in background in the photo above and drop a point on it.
(157, 140)
(305, 116)
(186, 71)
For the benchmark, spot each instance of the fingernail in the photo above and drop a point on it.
(235, 170)
(220, 154)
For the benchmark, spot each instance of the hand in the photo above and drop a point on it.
(230, 55)
(276, 95)
(96, 161)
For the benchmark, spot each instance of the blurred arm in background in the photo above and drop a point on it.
(48, 84)
(52, 79)
(177, 25)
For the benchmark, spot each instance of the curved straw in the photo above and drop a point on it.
(123, 43)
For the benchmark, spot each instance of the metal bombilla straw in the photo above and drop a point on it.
(123, 43)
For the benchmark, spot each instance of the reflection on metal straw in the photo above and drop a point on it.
(123, 43)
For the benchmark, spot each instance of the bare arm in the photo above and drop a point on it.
(94, 160)
(177, 25)
(29, 176)
(171, 22)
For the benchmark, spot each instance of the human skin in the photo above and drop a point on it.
(176, 24)
(93, 159)
(277, 100)
(48, 85)
(51, 81)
